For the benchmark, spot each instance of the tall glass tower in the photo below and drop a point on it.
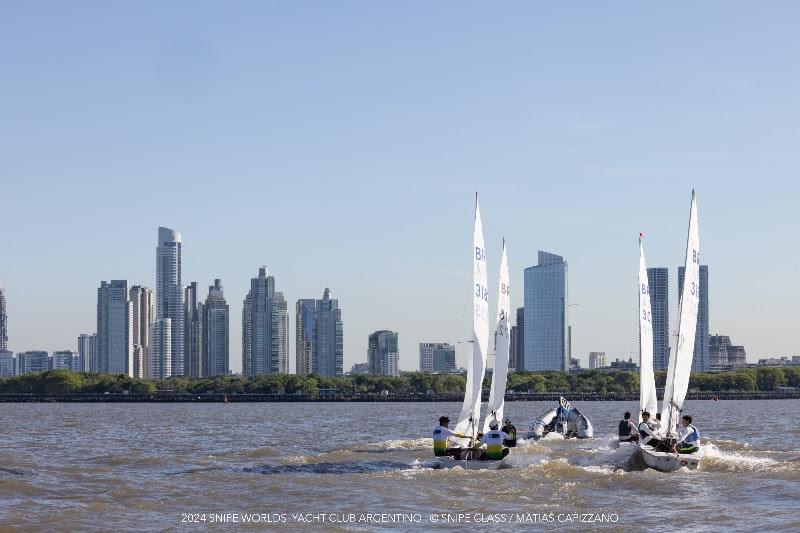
(216, 325)
(545, 314)
(169, 297)
(3, 319)
(658, 279)
(700, 358)
(265, 328)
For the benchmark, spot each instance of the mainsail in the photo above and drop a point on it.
(647, 382)
(680, 363)
(501, 345)
(476, 364)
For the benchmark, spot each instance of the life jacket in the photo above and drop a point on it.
(646, 437)
(624, 429)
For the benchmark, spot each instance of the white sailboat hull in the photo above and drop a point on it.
(669, 462)
(449, 462)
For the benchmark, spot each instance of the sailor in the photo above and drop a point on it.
(441, 434)
(493, 439)
(509, 428)
(627, 431)
(655, 425)
(646, 432)
(688, 437)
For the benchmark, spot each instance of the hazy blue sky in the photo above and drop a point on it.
(340, 144)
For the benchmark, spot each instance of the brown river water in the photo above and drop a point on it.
(369, 467)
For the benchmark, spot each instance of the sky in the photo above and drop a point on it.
(341, 145)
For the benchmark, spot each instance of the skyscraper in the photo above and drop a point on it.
(700, 358)
(427, 355)
(545, 315)
(516, 348)
(87, 350)
(141, 324)
(328, 336)
(597, 360)
(304, 313)
(169, 297)
(8, 364)
(114, 331)
(658, 279)
(3, 320)
(265, 328)
(382, 353)
(216, 331)
(65, 359)
(159, 364)
(444, 358)
(192, 333)
(32, 361)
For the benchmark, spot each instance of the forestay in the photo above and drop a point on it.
(476, 364)
(680, 364)
(647, 382)
(500, 372)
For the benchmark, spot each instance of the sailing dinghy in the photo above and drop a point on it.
(680, 363)
(470, 416)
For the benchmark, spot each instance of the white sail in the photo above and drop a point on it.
(680, 363)
(470, 415)
(647, 381)
(494, 410)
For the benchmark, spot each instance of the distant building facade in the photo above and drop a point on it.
(319, 336)
(658, 279)
(304, 312)
(142, 317)
(265, 328)
(427, 359)
(114, 332)
(723, 354)
(192, 332)
(628, 365)
(516, 348)
(65, 359)
(545, 314)
(87, 352)
(359, 369)
(159, 364)
(3, 320)
(597, 360)
(216, 332)
(8, 364)
(444, 359)
(382, 353)
(33, 361)
(700, 360)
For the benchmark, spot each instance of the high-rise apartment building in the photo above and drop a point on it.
(87, 350)
(382, 353)
(427, 351)
(33, 361)
(328, 336)
(319, 336)
(114, 333)
(658, 280)
(304, 317)
(169, 298)
(3, 320)
(65, 359)
(159, 363)
(444, 358)
(141, 323)
(516, 348)
(700, 358)
(192, 333)
(8, 364)
(545, 314)
(216, 332)
(265, 328)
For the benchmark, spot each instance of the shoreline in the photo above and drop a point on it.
(174, 397)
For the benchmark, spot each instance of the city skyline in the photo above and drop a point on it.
(559, 135)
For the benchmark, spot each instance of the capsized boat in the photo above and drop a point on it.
(680, 363)
(563, 419)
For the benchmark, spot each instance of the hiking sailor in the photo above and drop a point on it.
(627, 431)
(493, 439)
(509, 428)
(441, 434)
(688, 437)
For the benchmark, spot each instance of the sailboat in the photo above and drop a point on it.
(470, 416)
(648, 401)
(680, 363)
(563, 419)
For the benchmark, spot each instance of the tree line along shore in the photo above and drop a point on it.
(601, 383)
